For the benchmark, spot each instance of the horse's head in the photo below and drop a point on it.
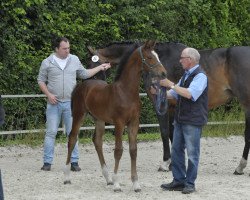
(153, 72)
(112, 53)
(95, 59)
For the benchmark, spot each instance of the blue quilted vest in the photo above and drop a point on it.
(192, 112)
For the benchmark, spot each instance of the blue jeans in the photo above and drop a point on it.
(185, 136)
(54, 114)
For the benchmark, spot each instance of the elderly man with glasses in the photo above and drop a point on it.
(191, 93)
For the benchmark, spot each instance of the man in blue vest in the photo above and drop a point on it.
(191, 93)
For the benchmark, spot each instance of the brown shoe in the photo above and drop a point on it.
(46, 167)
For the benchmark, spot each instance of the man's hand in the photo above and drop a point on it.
(152, 90)
(105, 66)
(166, 83)
(52, 99)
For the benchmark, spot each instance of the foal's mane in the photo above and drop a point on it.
(124, 59)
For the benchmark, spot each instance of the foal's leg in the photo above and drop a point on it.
(243, 161)
(117, 154)
(132, 135)
(77, 121)
(98, 142)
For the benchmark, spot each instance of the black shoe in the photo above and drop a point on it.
(188, 190)
(173, 186)
(75, 167)
(46, 167)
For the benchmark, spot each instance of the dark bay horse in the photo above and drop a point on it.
(117, 103)
(228, 71)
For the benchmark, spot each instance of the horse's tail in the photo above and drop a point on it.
(73, 96)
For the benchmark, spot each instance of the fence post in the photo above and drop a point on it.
(1, 187)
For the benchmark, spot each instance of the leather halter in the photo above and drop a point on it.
(145, 62)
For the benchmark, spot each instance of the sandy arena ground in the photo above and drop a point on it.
(23, 180)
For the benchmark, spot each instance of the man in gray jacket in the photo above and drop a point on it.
(57, 79)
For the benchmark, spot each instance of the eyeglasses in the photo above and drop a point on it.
(184, 57)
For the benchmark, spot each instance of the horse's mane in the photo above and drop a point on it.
(120, 43)
(169, 42)
(124, 59)
(164, 45)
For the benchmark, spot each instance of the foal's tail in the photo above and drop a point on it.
(66, 170)
(77, 108)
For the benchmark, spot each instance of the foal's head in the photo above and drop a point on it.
(153, 70)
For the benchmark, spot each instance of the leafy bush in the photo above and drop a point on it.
(27, 28)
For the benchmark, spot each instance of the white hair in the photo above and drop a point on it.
(193, 53)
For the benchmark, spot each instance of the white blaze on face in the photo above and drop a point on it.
(156, 55)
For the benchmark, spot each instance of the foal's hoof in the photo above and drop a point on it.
(110, 183)
(238, 173)
(138, 190)
(162, 169)
(136, 186)
(67, 182)
(117, 189)
(165, 166)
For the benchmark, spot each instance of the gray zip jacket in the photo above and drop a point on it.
(61, 82)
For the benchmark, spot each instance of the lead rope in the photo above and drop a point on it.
(160, 98)
(105, 77)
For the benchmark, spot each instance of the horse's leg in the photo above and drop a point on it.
(164, 128)
(117, 154)
(76, 124)
(132, 135)
(98, 142)
(243, 161)
(171, 131)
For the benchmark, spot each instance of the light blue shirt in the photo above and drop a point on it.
(196, 87)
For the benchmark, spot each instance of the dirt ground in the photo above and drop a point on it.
(23, 180)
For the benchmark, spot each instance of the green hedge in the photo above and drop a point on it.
(28, 26)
